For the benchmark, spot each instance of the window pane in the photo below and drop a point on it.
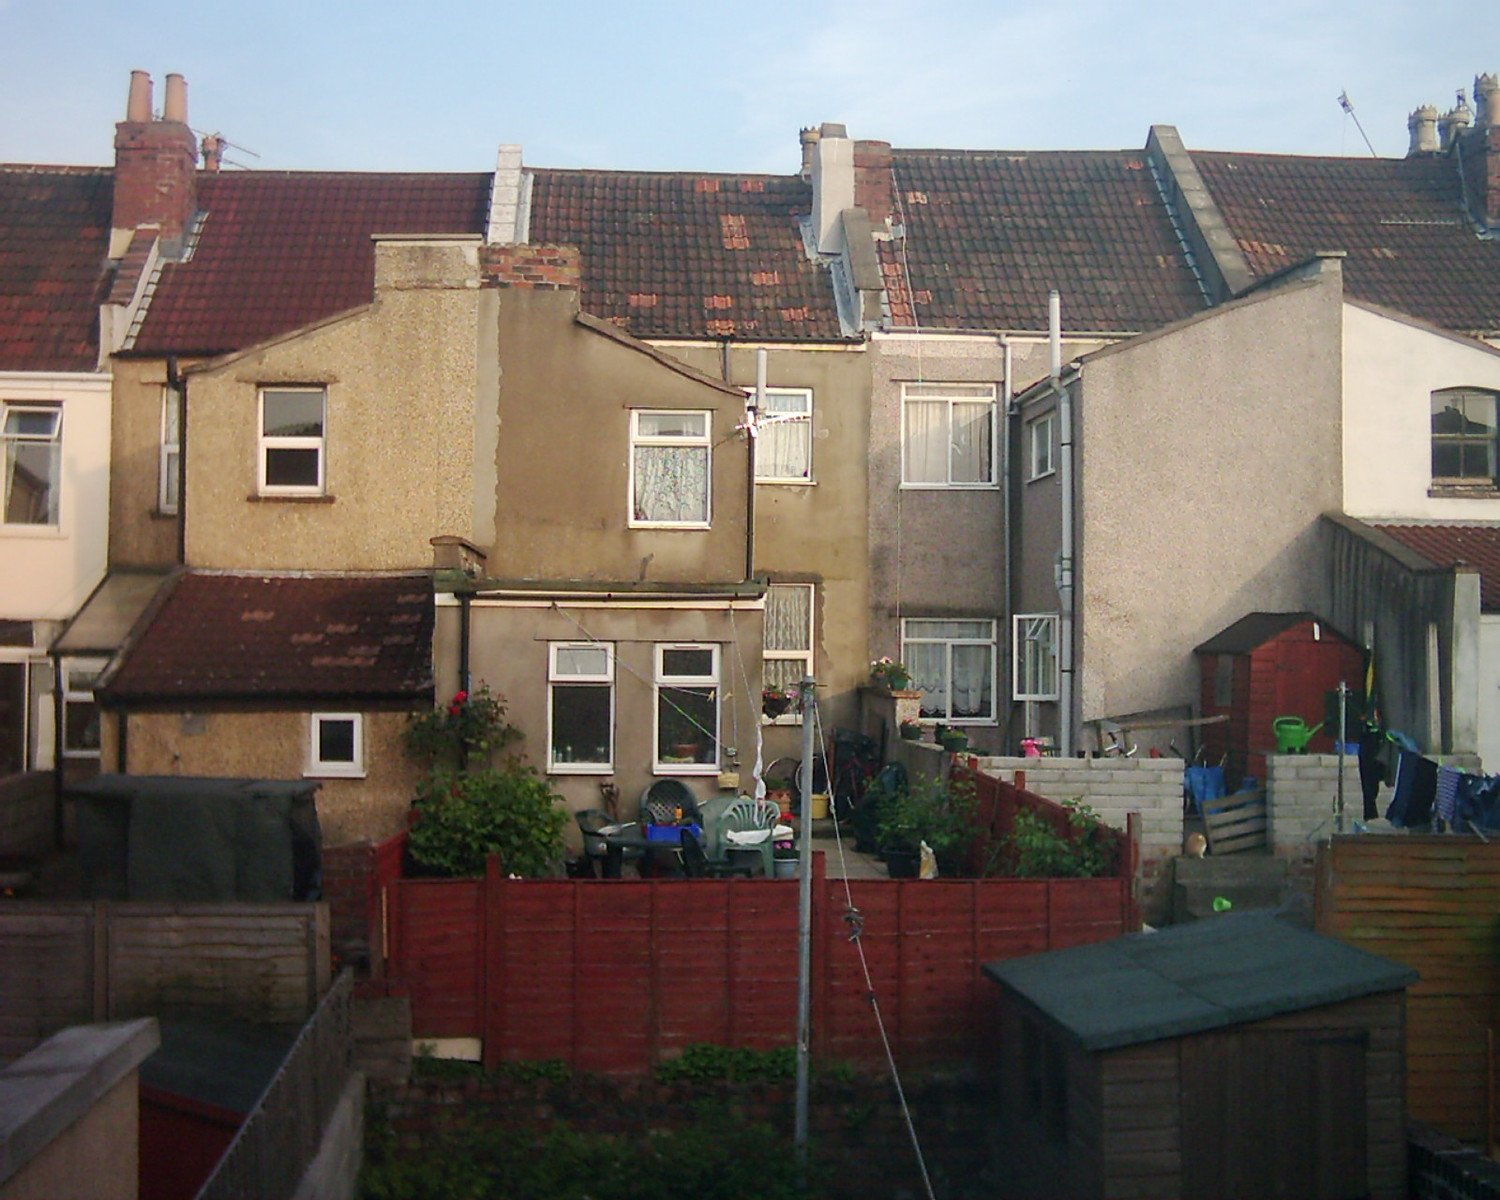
(783, 448)
(783, 674)
(291, 468)
(169, 481)
(12, 718)
(671, 483)
(293, 414)
(32, 473)
(687, 724)
(971, 682)
(926, 442)
(788, 617)
(336, 741)
(928, 664)
(580, 723)
(971, 443)
(690, 663)
(81, 725)
(672, 424)
(917, 629)
(582, 660)
(31, 423)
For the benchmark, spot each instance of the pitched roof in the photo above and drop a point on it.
(54, 239)
(682, 255)
(282, 249)
(1445, 545)
(990, 233)
(282, 637)
(1401, 221)
(1192, 978)
(1256, 629)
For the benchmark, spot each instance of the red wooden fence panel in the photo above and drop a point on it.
(615, 975)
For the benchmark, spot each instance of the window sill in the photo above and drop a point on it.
(1464, 491)
(787, 482)
(1039, 478)
(161, 514)
(784, 719)
(670, 769)
(287, 498)
(580, 769)
(334, 773)
(660, 527)
(950, 487)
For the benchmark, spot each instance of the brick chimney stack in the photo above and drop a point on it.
(872, 181)
(155, 162)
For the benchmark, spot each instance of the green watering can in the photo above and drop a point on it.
(1292, 734)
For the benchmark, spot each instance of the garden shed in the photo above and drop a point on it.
(1234, 1057)
(1269, 665)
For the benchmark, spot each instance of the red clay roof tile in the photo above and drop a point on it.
(1477, 546)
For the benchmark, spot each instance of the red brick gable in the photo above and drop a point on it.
(989, 233)
(54, 236)
(1401, 222)
(283, 637)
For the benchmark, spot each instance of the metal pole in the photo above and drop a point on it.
(1338, 812)
(808, 693)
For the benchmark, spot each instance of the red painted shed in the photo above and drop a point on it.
(1269, 665)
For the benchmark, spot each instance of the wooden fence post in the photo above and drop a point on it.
(491, 939)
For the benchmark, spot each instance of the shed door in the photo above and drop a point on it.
(1274, 1114)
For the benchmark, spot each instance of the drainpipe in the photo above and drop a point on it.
(178, 384)
(463, 641)
(58, 831)
(753, 406)
(1007, 394)
(1065, 559)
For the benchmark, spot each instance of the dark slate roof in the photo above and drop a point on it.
(54, 239)
(283, 249)
(282, 637)
(989, 234)
(1251, 630)
(1443, 545)
(681, 255)
(1410, 247)
(1191, 978)
(223, 1063)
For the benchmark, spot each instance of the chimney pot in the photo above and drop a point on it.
(213, 151)
(1452, 123)
(808, 138)
(175, 108)
(1422, 125)
(1487, 100)
(138, 106)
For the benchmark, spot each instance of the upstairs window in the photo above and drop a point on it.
(1039, 437)
(1463, 435)
(669, 469)
(31, 435)
(948, 435)
(953, 663)
(292, 442)
(783, 440)
(167, 467)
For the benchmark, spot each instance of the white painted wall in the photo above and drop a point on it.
(47, 573)
(1488, 670)
(1391, 369)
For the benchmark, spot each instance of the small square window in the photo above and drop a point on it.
(31, 442)
(948, 435)
(670, 467)
(1464, 423)
(783, 436)
(292, 441)
(337, 745)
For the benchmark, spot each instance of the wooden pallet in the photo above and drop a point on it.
(1235, 822)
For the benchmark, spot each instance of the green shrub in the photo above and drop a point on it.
(1035, 850)
(739, 1064)
(927, 810)
(460, 820)
(466, 730)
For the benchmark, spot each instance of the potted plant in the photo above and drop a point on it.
(926, 811)
(892, 674)
(955, 741)
(911, 731)
(774, 702)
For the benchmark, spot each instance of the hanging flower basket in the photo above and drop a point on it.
(775, 703)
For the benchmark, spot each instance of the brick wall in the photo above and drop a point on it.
(155, 163)
(353, 879)
(872, 180)
(1114, 788)
(550, 267)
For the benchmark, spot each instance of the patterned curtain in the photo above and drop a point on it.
(671, 483)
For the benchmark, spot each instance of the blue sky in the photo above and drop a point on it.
(437, 85)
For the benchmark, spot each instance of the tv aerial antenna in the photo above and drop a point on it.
(1348, 106)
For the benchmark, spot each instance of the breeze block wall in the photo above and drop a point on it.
(1114, 788)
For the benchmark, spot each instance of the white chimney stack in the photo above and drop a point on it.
(1422, 125)
(833, 185)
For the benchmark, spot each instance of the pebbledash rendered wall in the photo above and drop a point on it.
(1114, 788)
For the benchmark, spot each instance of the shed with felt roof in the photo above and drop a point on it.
(1239, 1056)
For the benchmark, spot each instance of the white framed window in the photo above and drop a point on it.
(80, 710)
(952, 662)
(1034, 657)
(948, 435)
(580, 707)
(687, 709)
(1464, 425)
(1039, 440)
(336, 745)
(670, 457)
(290, 460)
(784, 436)
(788, 655)
(31, 436)
(168, 475)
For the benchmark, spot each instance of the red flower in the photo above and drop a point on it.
(454, 710)
(460, 697)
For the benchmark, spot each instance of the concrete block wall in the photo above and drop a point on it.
(1300, 794)
(1115, 788)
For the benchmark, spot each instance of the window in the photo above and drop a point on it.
(1463, 435)
(1035, 657)
(1039, 439)
(953, 663)
(580, 707)
(292, 441)
(80, 711)
(32, 437)
(789, 640)
(669, 469)
(167, 474)
(337, 745)
(783, 440)
(687, 709)
(948, 434)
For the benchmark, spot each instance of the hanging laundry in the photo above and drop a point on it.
(1415, 790)
(1445, 795)
(1371, 769)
